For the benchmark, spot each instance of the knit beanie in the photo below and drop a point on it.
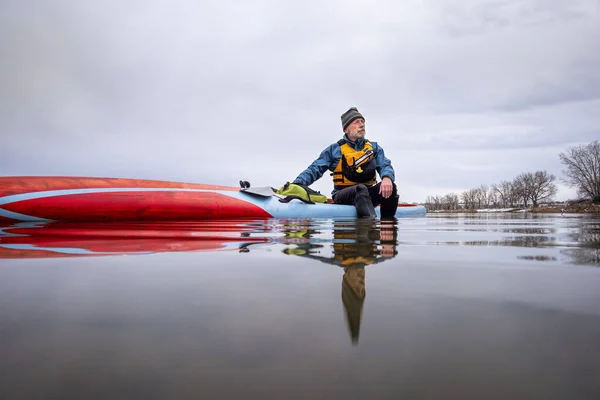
(350, 116)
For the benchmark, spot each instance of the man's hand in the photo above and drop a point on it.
(386, 187)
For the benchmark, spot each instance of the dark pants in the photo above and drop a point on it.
(365, 198)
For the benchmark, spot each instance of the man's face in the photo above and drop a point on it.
(356, 129)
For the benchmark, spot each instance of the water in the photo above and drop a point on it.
(448, 306)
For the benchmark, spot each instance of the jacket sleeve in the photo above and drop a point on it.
(384, 165)
(318, 167)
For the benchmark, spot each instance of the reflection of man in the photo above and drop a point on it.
(353, 298)
(356, 244)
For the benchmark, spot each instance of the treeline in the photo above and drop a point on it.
(529, 188)
(582, 172)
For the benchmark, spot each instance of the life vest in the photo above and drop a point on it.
(347, 254)
(354, 246)
(355, 166)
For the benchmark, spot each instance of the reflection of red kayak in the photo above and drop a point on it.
(114, 199)
(72, 247)
(72, 239)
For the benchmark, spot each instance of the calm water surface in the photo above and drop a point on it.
(498, 306)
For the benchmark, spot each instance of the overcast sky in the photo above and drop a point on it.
(459, 93)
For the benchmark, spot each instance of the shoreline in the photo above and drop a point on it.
(566, 209)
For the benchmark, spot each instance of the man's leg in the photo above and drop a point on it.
(388, 206)
(357, 195)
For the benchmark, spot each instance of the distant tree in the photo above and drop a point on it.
(582, 169)
(437, 201)
(493, 197)
(496, 195)
(450, 201)
(542, 187)
(505, 193)
(464, 199)
(513, 194)
(433, 203)
(444, 203)
(520, 189)
(429, 203)
(536, 187)
(469, 198)
(455, 201)
(481, 196)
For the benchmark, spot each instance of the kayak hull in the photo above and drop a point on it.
(32, 199)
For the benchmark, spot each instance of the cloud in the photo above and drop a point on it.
(211, 93)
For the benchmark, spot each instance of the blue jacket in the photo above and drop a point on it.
(330, 157)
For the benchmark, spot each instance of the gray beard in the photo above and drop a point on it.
(356, 138)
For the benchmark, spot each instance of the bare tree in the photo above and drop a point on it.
(496, 194)
(429, 203)
(433, 203)
(446, 202)
(542, 187)
(505, 193)
(481, 196)
(512, 193)
(450, 201)
(582, 169)
(469, 198)
(536, 187)
(492, 196)
(520, 189)
(437, 200)
(455, 200)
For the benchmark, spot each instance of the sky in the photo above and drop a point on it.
(458, 93)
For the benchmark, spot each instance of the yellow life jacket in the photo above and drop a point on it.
(347, 254)
(355, 167)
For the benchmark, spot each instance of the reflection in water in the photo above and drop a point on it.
(575, 239)
(529, 231)
(537, 258)
(456, 321)
(587, 235)
(356, 244)
(516, 241)
(583, 256)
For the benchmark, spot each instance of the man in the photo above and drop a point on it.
(355, 163)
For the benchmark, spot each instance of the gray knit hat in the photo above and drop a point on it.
(350, 116)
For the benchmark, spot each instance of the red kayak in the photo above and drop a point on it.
(39, 198)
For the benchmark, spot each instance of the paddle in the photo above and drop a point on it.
(264, 191)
